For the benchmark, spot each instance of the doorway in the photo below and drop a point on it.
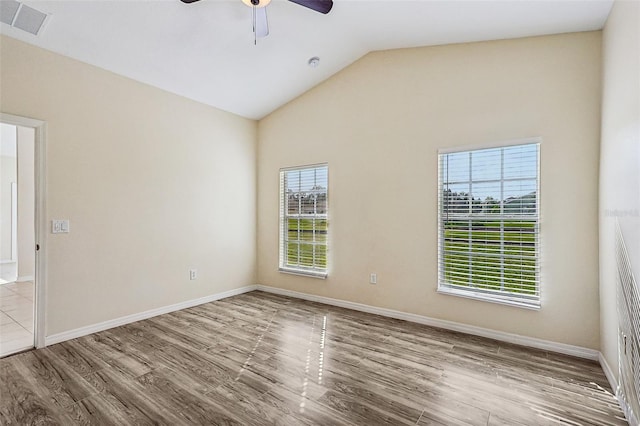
(21, 318)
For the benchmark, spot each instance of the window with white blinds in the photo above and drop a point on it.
(303, 220)
(489, 208)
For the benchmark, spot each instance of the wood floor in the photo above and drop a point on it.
(262, 359)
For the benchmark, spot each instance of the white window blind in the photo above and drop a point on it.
(303, 220)
(489, 224)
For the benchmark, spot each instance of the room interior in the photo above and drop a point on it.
(17, 252)
(167, 166)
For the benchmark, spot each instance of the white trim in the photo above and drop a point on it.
(487, 295)
(517, 339)
(303, 273)
(608, 372)
(24, 279)
(490, 145)
(41, 229)
(14, 219)
(116, 322)
(17, 120)
(306, 166)
(284, 216)
(490, 297)
(40, 171)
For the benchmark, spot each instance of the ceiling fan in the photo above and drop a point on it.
(259, 7)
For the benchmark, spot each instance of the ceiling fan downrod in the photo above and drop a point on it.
(260, 23)
(253, 11)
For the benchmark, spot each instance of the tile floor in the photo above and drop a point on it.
(16, 317)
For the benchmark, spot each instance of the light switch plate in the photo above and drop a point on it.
(60, 226)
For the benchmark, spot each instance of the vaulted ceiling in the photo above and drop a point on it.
(205, 50)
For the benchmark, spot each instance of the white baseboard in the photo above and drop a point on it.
(434, 322)
(608, 372)
(94, 328)
(25, 278)
(517, 339)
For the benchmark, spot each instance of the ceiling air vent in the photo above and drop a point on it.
(21, 16)
(8, 11)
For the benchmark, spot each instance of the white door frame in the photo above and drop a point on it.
(40, 170)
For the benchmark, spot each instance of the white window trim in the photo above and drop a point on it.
(300, 270)
(488, 295)
(304, 273)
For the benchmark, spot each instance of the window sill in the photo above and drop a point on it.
(303, 273)
(493, 298)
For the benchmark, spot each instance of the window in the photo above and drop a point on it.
(489, 224)
(303, 220)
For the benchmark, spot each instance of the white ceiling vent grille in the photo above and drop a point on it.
(21, 16)
(8, 11)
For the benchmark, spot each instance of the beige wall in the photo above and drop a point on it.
(26, 199)
(152, 183)
(155, 184)
(620, 160)
(379, 125)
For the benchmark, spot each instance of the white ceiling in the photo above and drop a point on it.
(204, 51)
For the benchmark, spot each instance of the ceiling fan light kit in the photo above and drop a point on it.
(259, 13)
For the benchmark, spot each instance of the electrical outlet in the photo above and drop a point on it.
(373, 278)
(60, 226)
(193, 274)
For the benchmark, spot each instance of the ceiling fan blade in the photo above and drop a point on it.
(322, 6)
(262, 26)
(189, 1)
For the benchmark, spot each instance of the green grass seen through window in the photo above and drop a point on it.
(306, 243)
(473, 255)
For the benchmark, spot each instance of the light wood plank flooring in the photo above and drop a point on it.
(261, 359)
